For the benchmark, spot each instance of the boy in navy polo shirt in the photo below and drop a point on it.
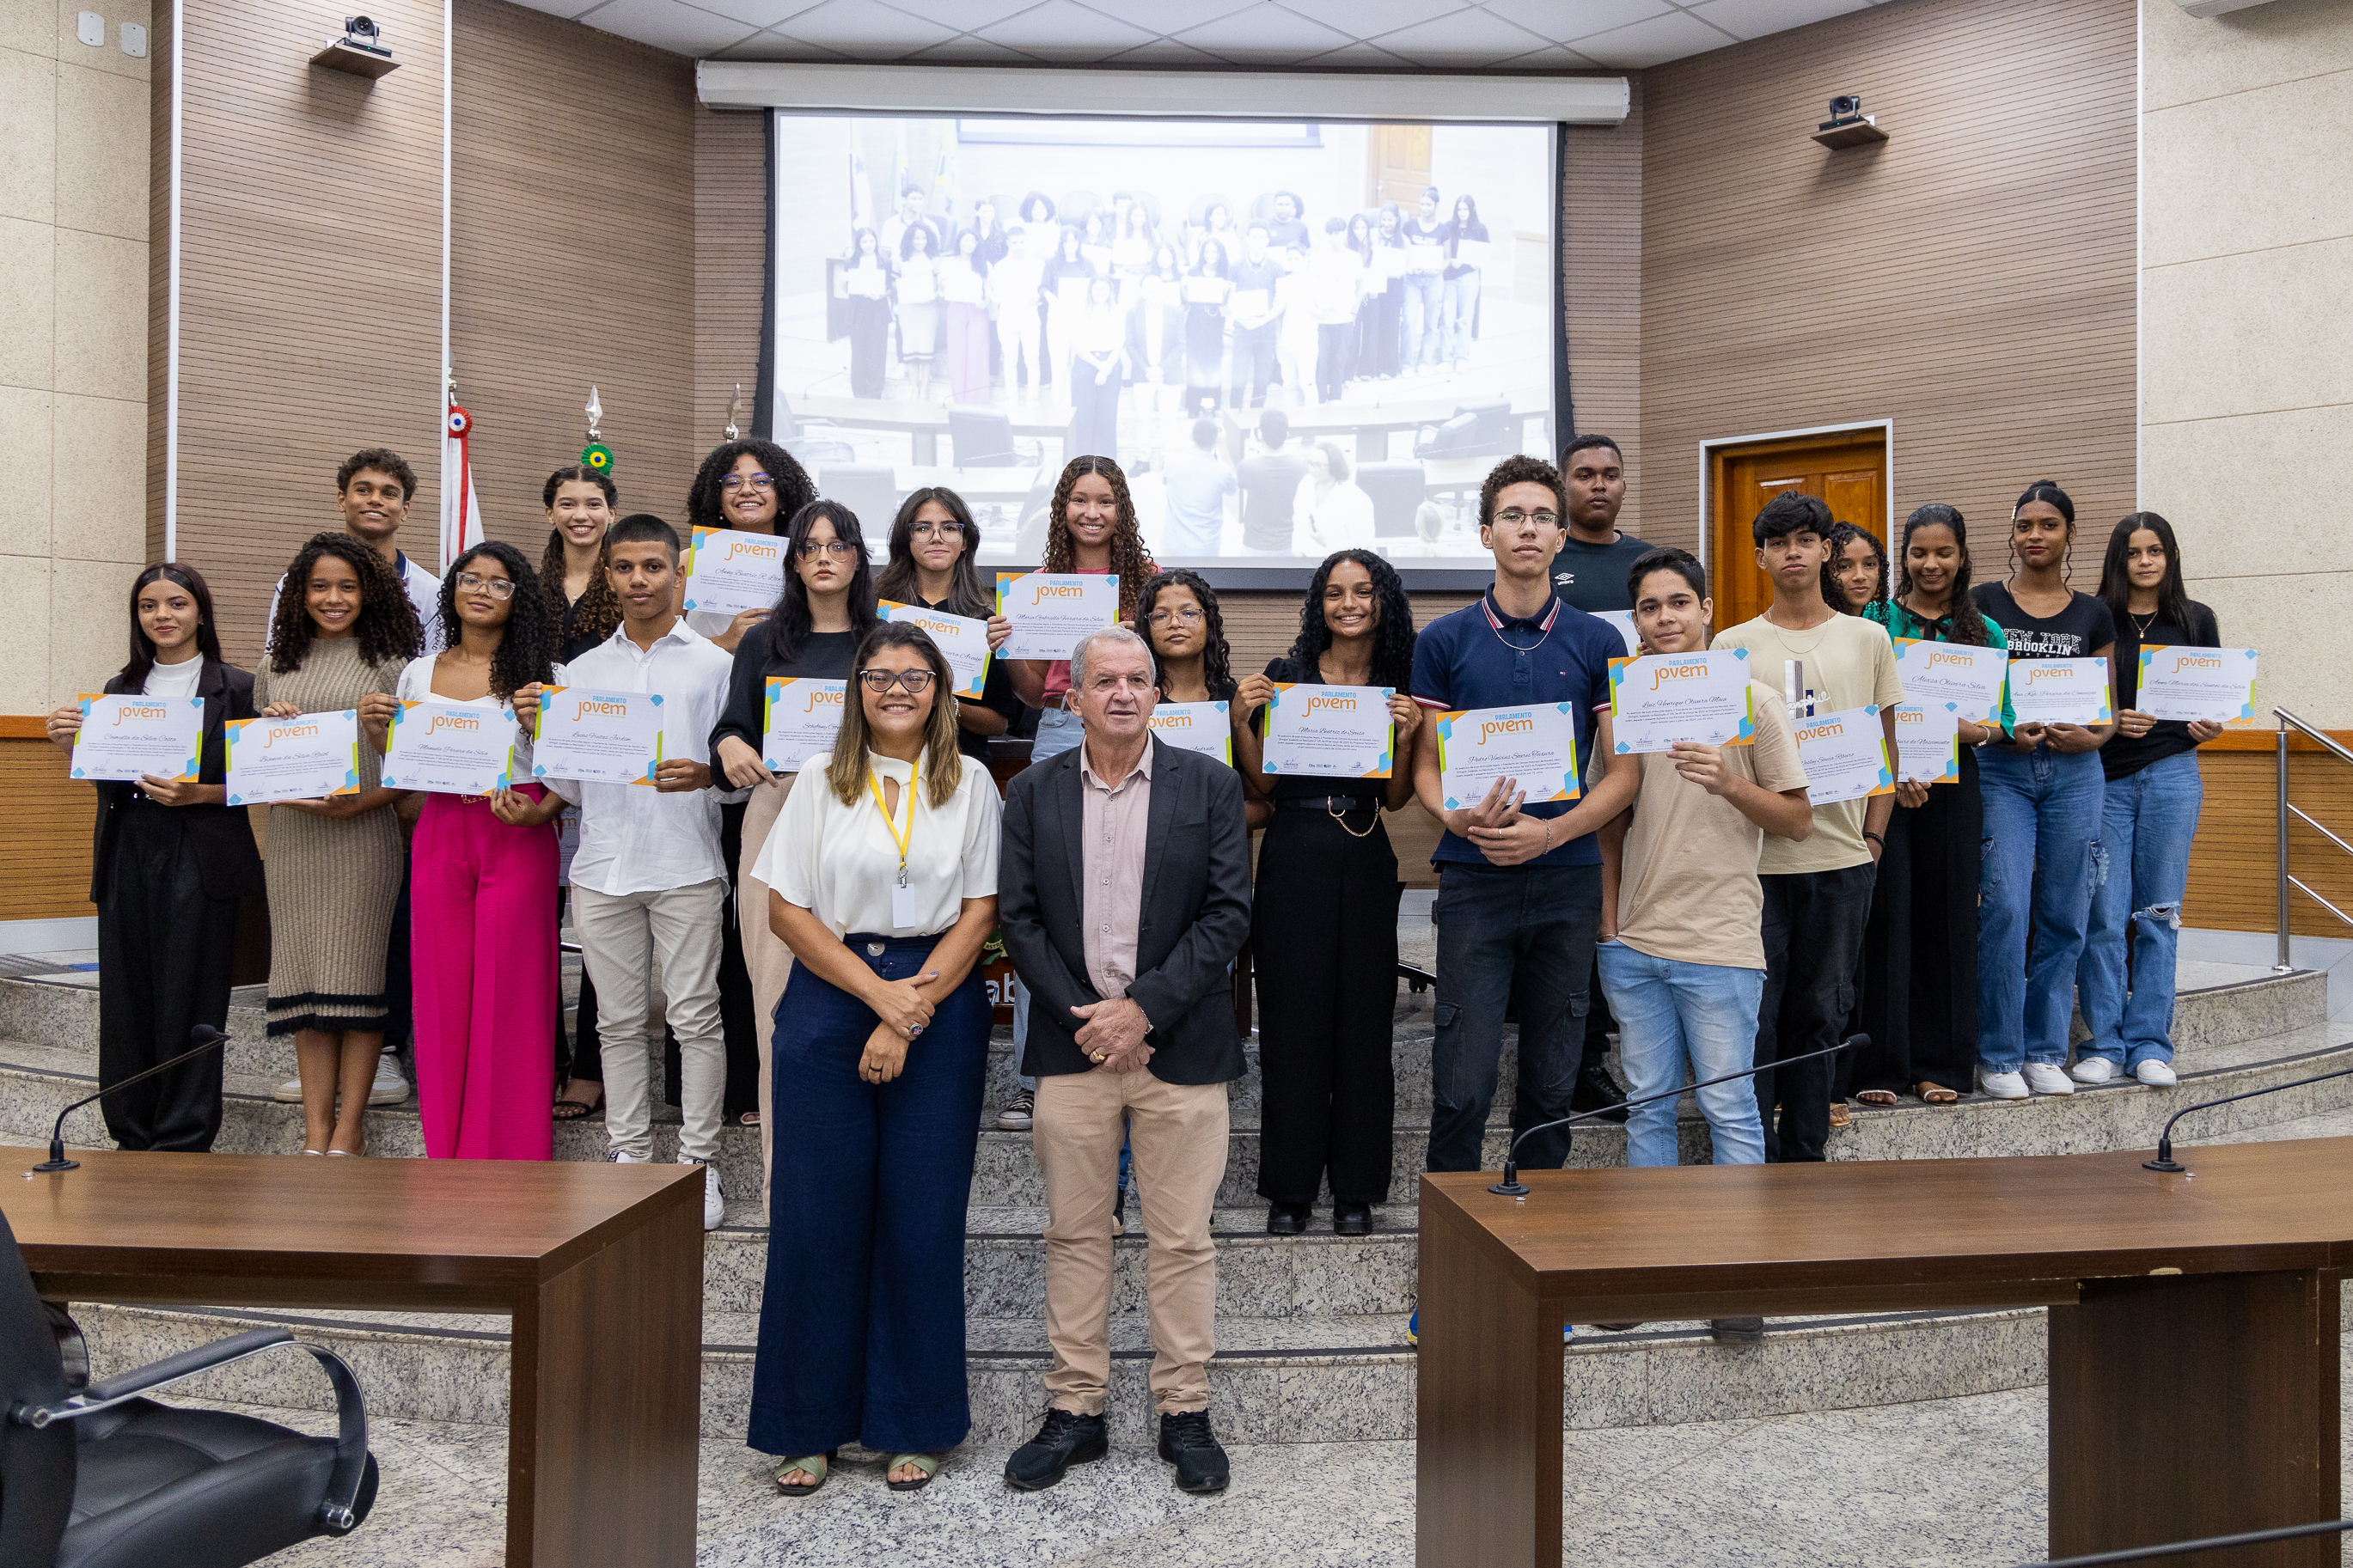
(1519, 886)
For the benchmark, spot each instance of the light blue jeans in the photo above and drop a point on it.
(2043, 863)
(1425, 317)
(1462, 310)
(1671, 1013)
(2147, 822)
(1058, 730)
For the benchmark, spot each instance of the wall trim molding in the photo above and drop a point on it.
(1709, 445)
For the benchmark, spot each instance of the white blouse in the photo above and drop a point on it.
(415, 684)
(174, 679)
(839, 862)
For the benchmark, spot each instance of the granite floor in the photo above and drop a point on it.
(1953, 1483)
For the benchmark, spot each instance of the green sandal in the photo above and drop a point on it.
(927, 1463)
(814, 1465)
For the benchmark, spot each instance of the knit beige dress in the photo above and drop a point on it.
(332, 882)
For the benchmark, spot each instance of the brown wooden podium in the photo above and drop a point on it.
(2194, 1328)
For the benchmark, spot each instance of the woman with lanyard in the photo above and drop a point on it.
(482, 901)
(883, 871)
(827, 608)
(169, 863)
(1324, 925)
(2151, 793)
(934, 542)
(1919, 997)
(2043, 807)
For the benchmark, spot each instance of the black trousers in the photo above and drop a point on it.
(163, 957)
(1919, 1002)
(1323, 945)
(1813, 926)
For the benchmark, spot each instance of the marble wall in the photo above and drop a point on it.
(2246, 390)
(73, 342)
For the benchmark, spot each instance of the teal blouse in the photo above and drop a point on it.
(1900, 622)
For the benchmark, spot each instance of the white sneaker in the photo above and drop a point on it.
(288, 1093)
(390, 1088)
(2093, 1069)
(714, 1202)
(2044, 1079)
(623, 1157)
(2002, 1085)
(2156, 1074)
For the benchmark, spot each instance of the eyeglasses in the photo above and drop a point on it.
(881, 681)
(1186, 617)
(935, 529)
(500, 587)
(1512, 517)
(813, 548)
(737, 481)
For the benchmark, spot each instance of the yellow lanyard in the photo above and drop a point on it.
(900, 839)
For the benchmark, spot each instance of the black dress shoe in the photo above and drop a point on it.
(1187, 1443)
(1737, 1330)
(1287, 1219)
(1066, 1439)
(1352, 1220)
(1595, 1089)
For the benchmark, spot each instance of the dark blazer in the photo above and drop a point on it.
(223, 835)
(1196, 913)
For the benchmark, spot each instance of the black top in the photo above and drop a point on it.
(824, 655)
(571, 641)
(2125, 755)
(2079, 631)
(1269, 484)
(1294, 786)
(1593, 576)
(227, 864)
(996, 689)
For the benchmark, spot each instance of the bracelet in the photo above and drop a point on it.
(1875, 838)
(1548, 848)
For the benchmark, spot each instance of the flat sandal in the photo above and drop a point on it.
(817, 1465)
(927, 1463)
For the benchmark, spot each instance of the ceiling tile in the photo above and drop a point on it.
(966, 15)
(866, 29)
(1364, 18)
(1064, 30)
(967, 50)
(1564, 20)
(1363, 56)
(1654, 42)
(1465, 38)
(1755, 18)
(1169, 53)
(561, 7)
(668, 25)
(1553, 57)
(767, 46)
(1174, 16)
(1265, 34)
(757, 13)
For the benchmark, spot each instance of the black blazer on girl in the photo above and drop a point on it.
(223, 835)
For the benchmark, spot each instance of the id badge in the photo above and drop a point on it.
(902, 907)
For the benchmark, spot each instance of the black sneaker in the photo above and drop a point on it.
(1737, 1330)
(1187, 1443)
(1596, 1088)
(1065, 1439)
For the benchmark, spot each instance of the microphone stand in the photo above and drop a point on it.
(2164, 1161)
(208, 1038)
(1511, 1187)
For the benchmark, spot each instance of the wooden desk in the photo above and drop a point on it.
(2193, 1321)
(599, 1266)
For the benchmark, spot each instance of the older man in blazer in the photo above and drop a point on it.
(1123, 894)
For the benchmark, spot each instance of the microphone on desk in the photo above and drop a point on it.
(1511, 1187)
(208, 1038)
(2164, 1161)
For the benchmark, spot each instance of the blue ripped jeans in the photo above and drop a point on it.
(2148, 821)
(2043, 862)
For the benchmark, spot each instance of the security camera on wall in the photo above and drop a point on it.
(1845, 110)
(1848, 126)
(360, 51)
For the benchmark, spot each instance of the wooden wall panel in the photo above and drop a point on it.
(731, 252)
(47, 874)
(572, 259)
(2234, 864)
(1601, 249)
(1970, 279)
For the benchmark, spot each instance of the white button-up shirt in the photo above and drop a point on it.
(635, 839)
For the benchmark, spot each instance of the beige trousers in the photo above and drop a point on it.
(1176, 1135)
(765, 956)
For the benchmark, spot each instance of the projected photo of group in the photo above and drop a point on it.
(1294, 338)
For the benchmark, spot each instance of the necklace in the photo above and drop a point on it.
(2140, 627)
(1822, 631)
(1494, 625)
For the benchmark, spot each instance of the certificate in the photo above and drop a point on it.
(1704, 696)
(1969, 678)
(960, 285)
(1844, 755)
(2060, 691)
(866, 282)
(448, 748)
(1472, 252)
(961, 639)
(1328, 732)
(728, 570)
(1537, 746)
(127, 738)
(2216, 684)
(1389, 261)
(1249, 304)
(1203, 727)
(802, 717)
(598, 737)
(1205, 291)
(1928, 743)
(1624, 621)
(308, 757)
(1052, 612)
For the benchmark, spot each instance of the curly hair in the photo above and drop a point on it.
(525, 649)
(599, 611)
(1520, 469)
(1969, 625)
(1217, 663)
(1393, 638)
(1841, 536)
(795, 488)
(384, 460)
(385, 628)
(1130, 562)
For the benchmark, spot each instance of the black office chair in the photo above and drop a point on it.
(1395, 490)
(1475, 430)
(983, 439)
(98, 1477)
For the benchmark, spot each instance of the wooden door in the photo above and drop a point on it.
(1399, 166)
(1848, 468)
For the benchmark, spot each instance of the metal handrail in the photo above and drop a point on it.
(2211, 1544)
(2287, 813)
